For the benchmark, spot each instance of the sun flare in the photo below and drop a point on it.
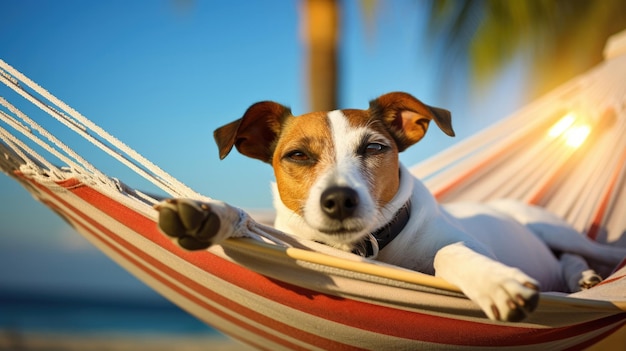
(571, 130)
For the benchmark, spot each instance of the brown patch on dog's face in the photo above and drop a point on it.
(379, 154)
(302, 152)
(305, 150)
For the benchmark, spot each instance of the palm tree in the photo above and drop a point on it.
(320, 32)
(561, 38)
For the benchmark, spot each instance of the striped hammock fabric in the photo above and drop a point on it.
(566, 151)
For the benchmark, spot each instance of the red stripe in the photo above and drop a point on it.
(509, 147)
(611, 280)
(559, 169)
(598, 217)
(361, 315)
(76, 221)
(214, 260)
(595, 339)
(189, 283)
(443, 191)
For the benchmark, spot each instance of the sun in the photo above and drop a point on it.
(571, 129)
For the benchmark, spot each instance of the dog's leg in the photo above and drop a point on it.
(577, 274)
(565, 239)
(197, 225)
(502, 292)
(558, 234)
(560, 237)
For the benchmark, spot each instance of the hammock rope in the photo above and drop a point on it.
(275, 291)
(78, 123)
(28, 132)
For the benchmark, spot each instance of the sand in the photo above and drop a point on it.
(115, 342)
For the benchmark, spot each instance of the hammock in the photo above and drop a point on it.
(565, 151)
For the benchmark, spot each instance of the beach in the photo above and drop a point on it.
(30, 321)
(12, 341)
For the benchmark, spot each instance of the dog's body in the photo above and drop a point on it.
(339, 182)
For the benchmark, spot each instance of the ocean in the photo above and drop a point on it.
(30, 321)
(21, 311)
(56, 298)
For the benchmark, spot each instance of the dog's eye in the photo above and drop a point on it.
(298, 156)
(374, 148)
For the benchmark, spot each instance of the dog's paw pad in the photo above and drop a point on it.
(513, 301)
(208, 228)
(192, 244)
(193, 223)
(169, 222)
(519, 308)
(514, 313)
(192, 215)
(532, 302)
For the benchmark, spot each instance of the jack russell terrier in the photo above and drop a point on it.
(339, 182)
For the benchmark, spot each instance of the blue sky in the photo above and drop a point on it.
(161, 76)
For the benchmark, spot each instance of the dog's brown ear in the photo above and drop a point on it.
(408, 118)
(255, 133)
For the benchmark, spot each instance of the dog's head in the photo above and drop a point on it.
(334, 170)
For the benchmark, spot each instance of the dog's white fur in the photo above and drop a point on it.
(498, 253)
(474, 246)
(345, 171)
(433, 241)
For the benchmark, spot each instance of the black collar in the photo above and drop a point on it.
(377, 240)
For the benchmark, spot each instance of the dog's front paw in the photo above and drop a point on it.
(510, 297)
(502, 292)
(194, 223)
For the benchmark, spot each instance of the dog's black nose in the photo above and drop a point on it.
(339, 202)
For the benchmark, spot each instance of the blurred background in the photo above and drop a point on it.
(162, 75)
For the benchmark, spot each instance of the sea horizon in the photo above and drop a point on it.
(35, 320)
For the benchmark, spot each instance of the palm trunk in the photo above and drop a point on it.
(320, 26)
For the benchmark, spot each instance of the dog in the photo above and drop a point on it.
(339, 181)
